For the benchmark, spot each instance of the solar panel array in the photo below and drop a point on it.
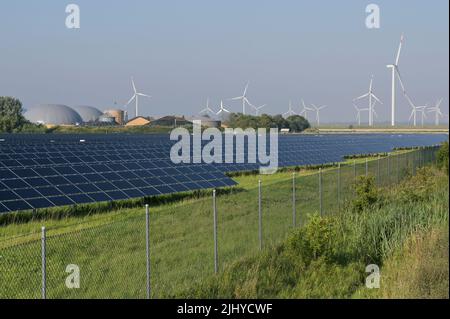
(40, 171)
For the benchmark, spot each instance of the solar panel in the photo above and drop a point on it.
(39, 171)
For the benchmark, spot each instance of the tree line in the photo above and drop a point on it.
(295, 123)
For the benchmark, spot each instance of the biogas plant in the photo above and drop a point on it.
(58, 114)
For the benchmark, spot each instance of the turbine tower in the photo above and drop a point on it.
(207, 109)
(243, 98)
(136, 97)
(423, 115)
(290, 112)
(395, 70)
(437, 112)
(372, 100)
(317, 109)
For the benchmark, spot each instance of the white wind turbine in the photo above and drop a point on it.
(243, 98)
(207, 109)
(358, 113)
(437, 112)
(257, 108)
(305, 110)
(414, 110)
(317, 109)
(136, 97)
(222, 109)
(372, 100)
(290, 111)
(395, 71)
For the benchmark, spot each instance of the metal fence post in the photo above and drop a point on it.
(44, 262)
(367, 167)
(294, 209)
(354, 175)
(378, 171)
(260, 216)
(339, 187)
(320, 192)
(216, 253)
(421, 157)
(389, 168)
(398, 167)
(147, 248)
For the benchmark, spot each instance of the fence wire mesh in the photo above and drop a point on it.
(111, 257)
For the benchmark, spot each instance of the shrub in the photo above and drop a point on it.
(366, 193)
(419, 187)
(442, 157)
(312, 241)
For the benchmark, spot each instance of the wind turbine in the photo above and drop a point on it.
(358, 114)
(317, 109)
(222, 109)
(243, 98)
(290, 111)
(437, 112)
(395, 71)
(207, 109)
(414, 110)
(136, 97)
(257, 108)
(372, 100)
(305, 110)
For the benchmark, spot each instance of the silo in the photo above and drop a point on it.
(117, 114)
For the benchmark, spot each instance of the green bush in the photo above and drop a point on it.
(313, 241)
(419, 187)
(442, 157)
(367, 194)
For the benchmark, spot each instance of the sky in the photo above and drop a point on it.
(182, 52)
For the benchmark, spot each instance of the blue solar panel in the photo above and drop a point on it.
(38, 171)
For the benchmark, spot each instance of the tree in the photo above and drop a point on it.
(11, 118)
(295, 123)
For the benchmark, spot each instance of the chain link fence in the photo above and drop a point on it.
(165, 254)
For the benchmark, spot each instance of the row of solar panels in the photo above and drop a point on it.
(39, 172)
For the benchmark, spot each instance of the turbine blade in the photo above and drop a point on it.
(361, 97)
(131, 99)
(400, 79)
(377, 99)
(134, 86)
(409, 101)
(245, 90)
(399, 50)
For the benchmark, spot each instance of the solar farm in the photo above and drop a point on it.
(47, 171)
(181, 244)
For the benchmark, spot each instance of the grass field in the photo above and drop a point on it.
(110, 248)
(404, 232)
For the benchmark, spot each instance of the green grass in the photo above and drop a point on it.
(109, 248)
(405, 234)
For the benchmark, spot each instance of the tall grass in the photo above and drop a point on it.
(327, 257)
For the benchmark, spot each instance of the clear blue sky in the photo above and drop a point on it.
(183, 51)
